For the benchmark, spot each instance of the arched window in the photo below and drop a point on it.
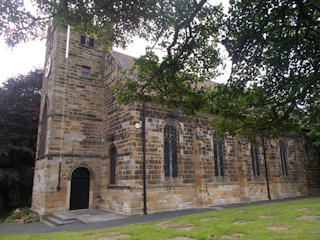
(283, 157)
(218, 145)
(255, 160)
(43, 133)
(113, 164)
(306, 151)
(170, 151)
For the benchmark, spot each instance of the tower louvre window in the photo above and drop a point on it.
(170, 151)
(218, 144)
(91, 42)
(85, 72)
(255, 160)
(83, 39)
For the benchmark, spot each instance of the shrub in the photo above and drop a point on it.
(22, 215)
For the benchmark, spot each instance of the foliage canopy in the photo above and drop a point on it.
(275, 49)
(273, 45)
(19, 114)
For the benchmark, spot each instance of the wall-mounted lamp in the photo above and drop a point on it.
(110, 138)
(174, 114)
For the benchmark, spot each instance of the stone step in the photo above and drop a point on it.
(64, 216)
(59, 222)
(50, 224)
(217, 208)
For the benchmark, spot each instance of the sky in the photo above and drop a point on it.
(28, 56)
(31, 55)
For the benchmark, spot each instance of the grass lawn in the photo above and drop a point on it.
(299, 219)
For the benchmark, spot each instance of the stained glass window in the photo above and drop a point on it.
(255, 160)
(218, 156)
(283, 158)
(170, 151)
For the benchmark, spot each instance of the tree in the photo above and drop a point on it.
(273, 46)
(275, 50)
(274, 86)
(112, 22)
(187, 31)
(19, 114)
(19, 25)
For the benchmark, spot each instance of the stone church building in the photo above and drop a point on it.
(93, 153)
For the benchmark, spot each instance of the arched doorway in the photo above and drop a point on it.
(80, 186)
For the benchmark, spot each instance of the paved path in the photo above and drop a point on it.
(42, 228)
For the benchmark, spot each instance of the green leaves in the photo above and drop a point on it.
(274, 46)
(18, 25)
(19, 113)
(192, 57)
(313, 123)
(250, 113)
(274, 84)
(19, 118)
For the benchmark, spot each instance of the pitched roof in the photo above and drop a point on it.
(207, 83)
(125, 62)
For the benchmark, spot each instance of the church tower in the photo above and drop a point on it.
(88, 149)
(70, 135)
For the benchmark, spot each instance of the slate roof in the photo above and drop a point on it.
(208, 83)
(125, 62)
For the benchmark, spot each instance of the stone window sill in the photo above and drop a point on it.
(118, 187)
(257, 179)
(284, 178)
(86, 77)
(219, 180)
(173, 180)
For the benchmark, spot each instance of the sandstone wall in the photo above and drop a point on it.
(84, 122)
(196, 185)
(74, 136)
(312, 156)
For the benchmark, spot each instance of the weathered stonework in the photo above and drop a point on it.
(84, 122)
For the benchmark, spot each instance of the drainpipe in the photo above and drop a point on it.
(144, 157)
(266, 167)
(59, 178)
(63, 106)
